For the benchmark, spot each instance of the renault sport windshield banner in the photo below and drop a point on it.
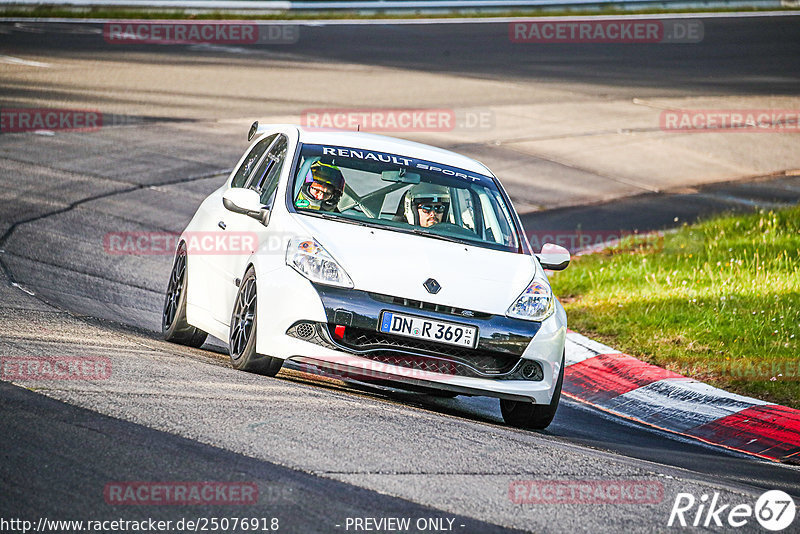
(335, 152)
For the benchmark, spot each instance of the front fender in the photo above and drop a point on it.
(284, 297)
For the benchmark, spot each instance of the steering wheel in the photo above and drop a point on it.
(448, 227)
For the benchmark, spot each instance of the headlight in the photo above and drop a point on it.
(536, 303)
(308, 258)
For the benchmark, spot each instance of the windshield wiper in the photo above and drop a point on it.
(332, 217)
(439, 236)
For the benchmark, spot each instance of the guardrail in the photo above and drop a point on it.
(394, 5)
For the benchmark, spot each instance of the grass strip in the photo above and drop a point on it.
(718, 301)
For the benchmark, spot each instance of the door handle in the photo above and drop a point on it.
(222, 225)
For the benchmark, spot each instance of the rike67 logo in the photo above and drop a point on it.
(774, 510)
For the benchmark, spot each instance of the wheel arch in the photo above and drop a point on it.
(189, 261)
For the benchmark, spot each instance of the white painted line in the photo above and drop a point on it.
(590, 344)
(11, 60)
(208, 47)
(576, 353)
(28, 291)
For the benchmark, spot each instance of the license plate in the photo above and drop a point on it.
(430, 329)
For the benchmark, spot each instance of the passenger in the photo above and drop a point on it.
(427, 204)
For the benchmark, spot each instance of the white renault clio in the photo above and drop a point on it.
(373, 258)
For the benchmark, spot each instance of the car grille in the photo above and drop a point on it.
(428, 356)
(428, 306)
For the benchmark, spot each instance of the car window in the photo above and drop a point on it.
(464, 209)
(265, 180)
(404, 194)
(246, 168)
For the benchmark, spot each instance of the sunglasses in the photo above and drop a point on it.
(427, 208)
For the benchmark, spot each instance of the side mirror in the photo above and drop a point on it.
(244, 201)
(253, 131)
(553, 257)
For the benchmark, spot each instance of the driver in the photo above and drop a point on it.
(322, 189)
(427, 204)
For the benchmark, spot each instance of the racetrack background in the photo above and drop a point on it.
(561, 124)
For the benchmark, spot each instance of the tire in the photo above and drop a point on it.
(531, 416)
(173, 317)
(242, 339)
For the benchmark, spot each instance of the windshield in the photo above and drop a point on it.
(403, 194)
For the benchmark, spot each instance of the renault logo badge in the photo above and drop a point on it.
(432, 286)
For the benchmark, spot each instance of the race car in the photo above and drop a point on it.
(375, 259)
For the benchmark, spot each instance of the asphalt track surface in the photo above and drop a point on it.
(737, 55)
(320, 450)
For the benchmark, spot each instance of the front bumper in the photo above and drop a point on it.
(352, 326)
(494, 367)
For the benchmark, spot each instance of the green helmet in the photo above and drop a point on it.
(327, 176)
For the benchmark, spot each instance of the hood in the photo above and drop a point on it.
(398, 264)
